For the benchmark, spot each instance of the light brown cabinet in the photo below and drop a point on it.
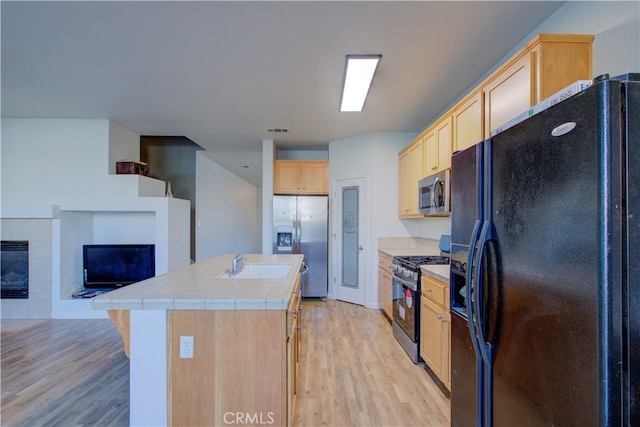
(545, 65)
(509, 94)
(301, 177)
(437, 148)
(294, 342)
(411, 171)
(467, 122)
(233, 350)
(435, 328)
(385, 283)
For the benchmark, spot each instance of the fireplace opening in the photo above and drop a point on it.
(14, 269)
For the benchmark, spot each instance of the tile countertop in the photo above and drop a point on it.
(439, 272)
(198, 287)
(408, 251)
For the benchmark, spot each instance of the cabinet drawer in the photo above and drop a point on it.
(436, 291)
(384, 262)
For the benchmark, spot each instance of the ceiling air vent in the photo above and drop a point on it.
(278, 130)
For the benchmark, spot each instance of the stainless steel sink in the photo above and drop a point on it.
(260, 271)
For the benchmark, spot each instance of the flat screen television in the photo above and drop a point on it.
(114, 266)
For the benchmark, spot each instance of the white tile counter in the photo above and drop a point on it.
(439, 272)
(199, 287)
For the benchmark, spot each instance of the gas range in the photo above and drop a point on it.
(408, 267)
(406, 300)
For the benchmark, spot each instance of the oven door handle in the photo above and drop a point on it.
(408, 284)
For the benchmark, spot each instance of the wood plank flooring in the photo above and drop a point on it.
(65, 373)
(352, 373)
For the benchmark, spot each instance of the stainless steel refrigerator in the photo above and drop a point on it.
(300, 226)
(545, 267)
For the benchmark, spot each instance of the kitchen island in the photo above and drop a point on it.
(241, 365)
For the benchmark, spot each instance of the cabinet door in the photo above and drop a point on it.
(411, 171)
(430, 142)
(446, 347)
(381, 296)
(384, 291)
(416, 174)
(404, 178)
(432, 338)
(467, 123)
(388, 286)
(509, 94)
(292, 374)
(444, 134)
(437, 147)
(285, 177)
(314, 177)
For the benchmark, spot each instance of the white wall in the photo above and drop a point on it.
(226, 211)
(615, 25)
(50, 162)
(268, 155)
(375, 158)
(59, 169)
(123, 145)
(616, 51)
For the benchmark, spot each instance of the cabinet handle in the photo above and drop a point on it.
(298, 327)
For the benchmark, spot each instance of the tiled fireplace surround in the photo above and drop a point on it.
(39, 234)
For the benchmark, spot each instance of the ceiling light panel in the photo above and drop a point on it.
(358, 76)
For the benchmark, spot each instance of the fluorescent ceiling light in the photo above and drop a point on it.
(358, 76)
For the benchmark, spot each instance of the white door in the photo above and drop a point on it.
(349, 241)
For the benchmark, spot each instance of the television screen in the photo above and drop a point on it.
(114, 266)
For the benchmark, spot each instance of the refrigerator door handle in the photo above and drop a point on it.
(470, 284)
(485, 236)
(485, 347)
(297, 227)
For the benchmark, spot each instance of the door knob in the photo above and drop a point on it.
(360, 248)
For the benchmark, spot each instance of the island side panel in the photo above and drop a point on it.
(238, 372)
(148, 368)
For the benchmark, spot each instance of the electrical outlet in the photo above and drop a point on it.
(186, 347)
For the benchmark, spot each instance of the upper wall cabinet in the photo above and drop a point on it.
(467, 122)
(411, 171)
(547, 64)
(437, 148)
(301, 177)
(543, 67)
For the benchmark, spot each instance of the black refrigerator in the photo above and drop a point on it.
(545, 266)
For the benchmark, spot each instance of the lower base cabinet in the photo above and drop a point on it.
(435, 333)
(385, 284)
(244, 367)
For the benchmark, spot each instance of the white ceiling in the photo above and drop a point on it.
(222, 73)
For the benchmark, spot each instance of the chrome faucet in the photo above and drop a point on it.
(237, 264)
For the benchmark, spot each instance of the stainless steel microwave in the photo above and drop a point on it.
(434, 193)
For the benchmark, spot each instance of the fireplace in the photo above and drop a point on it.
(14, 269)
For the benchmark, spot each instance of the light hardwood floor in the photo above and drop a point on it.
(65, 373)
(352, 373)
